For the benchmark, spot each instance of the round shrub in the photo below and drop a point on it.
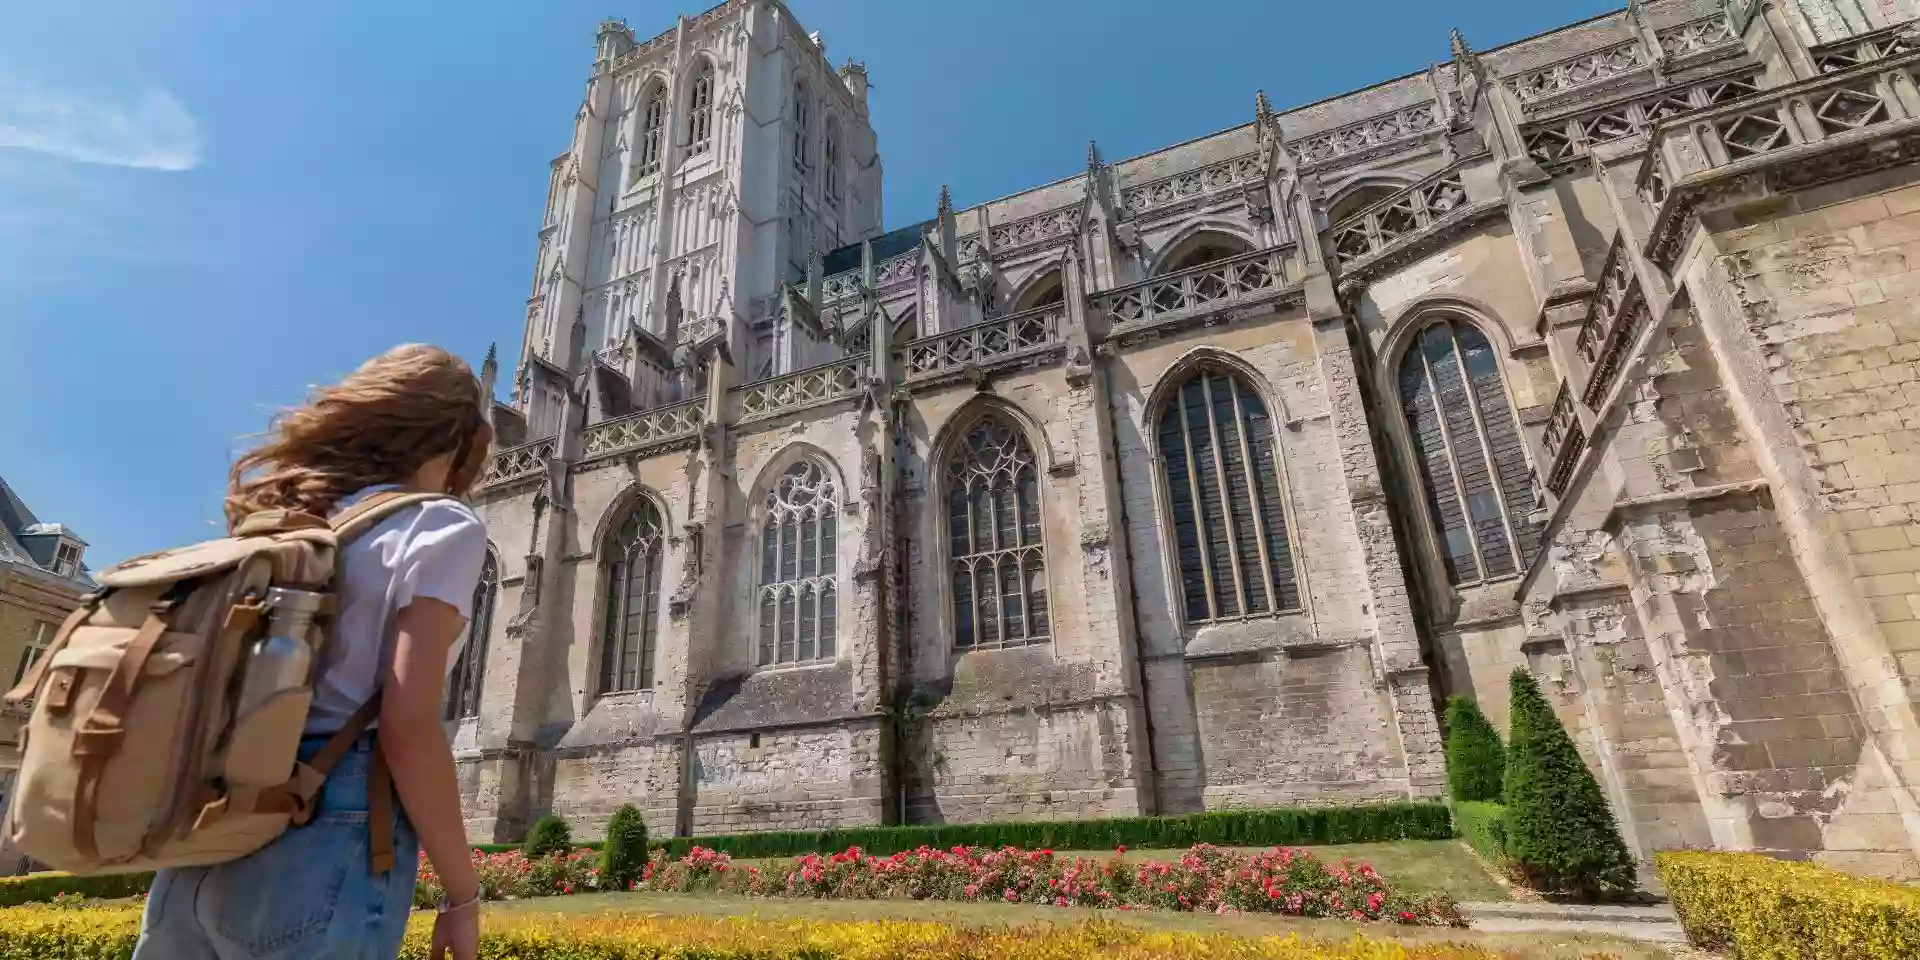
(1475, 760)
(1560, 834)
(624, 854)
(549, 835)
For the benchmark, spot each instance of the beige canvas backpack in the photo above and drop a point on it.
(134, 758)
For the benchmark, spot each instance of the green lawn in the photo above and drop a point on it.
(1530, 946)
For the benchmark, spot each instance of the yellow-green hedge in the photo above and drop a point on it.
(100, 933)
(41, 887)
(1759, 908)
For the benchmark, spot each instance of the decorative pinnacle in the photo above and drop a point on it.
(1260, 103)
(946, 201)
(493, 354)
(1460, 49)
(1093, 153)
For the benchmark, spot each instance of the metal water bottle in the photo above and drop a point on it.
(282, 659)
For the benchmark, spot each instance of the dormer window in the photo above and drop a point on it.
(66, 558)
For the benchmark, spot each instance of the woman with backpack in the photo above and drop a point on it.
(410, 420)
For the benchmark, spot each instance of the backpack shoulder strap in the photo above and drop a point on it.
(363, 516)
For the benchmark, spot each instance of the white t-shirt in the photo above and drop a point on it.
(431, 550)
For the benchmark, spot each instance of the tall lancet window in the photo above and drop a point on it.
(830, 161)
(801, 130)
(998, 568)
(700, 110)
(1473, 463)
(629, 621)
(799, 605)
(463, 690)
(653, 117)
(1221, 471)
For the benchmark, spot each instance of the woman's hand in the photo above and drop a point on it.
(422, 764)
(456, 934)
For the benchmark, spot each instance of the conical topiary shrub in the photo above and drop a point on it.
(1475, 759)
(623, 857)
(549, 835)
(1560, 834)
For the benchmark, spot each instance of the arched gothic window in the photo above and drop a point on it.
(631, 614)
(1358, 199)
(1220, 463)
(800, 129)
(653, 116)
(999, 570)
(830, 162)
(799, 607)
(700, 111)
(1473, 464)
(463, 692)
(1201, 249)
(1045, 292)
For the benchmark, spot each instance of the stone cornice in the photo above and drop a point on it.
(1786, 170)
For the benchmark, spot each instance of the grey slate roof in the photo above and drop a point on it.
(15, 518)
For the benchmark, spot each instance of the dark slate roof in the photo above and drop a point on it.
(15, 518)
(885, 246)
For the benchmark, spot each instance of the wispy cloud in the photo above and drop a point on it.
(148, 130)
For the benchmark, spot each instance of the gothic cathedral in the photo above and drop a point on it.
(1196, 479)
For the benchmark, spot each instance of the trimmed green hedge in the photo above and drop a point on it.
(1484, 827)
(1295, 826)
(41, 887)
(1756, 908)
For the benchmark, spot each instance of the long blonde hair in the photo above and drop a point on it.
(379, 425)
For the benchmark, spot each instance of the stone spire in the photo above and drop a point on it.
(1469, 76)
(1262, 109)
(1461, 51)
(489, 373)
(949, 231)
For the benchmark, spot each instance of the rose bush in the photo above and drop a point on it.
(512, 876)
(1204, 879)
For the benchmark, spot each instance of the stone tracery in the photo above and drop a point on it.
(799, 566)
(997, 568)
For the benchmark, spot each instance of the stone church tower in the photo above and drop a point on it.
(1192, 480)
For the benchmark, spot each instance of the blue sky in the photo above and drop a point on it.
(208, 205)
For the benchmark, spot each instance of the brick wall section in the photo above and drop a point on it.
(1326, 737)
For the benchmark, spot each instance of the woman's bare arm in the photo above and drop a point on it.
(416, 745)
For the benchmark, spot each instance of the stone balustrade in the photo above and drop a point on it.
(1836, 117)
(645, 430)
(801, 390)
(1563, 441)
(1208, 288)
(1574, 73)
(1614, 320)
(1862, 49)
(518, 463)
(696, 329)
(1411, 211)
(1562, 141)
(1698, 36)
(1170, 193)
(1875, 94)
(1001, 340)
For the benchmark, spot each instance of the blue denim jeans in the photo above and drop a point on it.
(309, 895)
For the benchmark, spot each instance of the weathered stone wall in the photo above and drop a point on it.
(791, 779)
(1808, 298)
